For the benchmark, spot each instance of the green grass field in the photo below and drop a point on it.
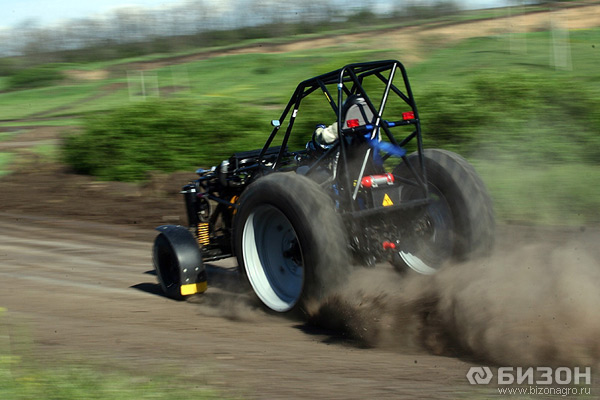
(67, 382)
(24, 378)
(525, 103)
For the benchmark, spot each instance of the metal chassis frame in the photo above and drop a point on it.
(348, 81)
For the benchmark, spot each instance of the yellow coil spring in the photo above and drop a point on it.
(203, 235)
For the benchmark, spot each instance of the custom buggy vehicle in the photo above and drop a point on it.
(299, 220)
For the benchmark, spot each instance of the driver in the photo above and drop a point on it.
(326, 135)
(355, 110)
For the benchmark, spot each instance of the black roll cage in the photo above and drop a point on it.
(348, 81)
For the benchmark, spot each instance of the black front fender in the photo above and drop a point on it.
(178, 262)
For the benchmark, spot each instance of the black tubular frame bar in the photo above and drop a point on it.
(348, 80)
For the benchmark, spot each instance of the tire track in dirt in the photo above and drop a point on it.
(83, 291)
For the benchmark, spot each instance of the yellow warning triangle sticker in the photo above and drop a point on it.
(387, 201)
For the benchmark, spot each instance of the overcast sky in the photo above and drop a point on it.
(48, 12)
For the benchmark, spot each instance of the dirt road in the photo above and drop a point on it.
(85, 291)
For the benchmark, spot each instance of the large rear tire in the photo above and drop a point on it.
(289, 241)
(459, 223)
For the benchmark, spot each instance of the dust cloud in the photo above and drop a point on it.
(530, 304)
(231, 306)
(229, 296)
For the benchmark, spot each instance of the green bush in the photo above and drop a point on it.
(162, 135)
(452, 117)
(491, 116)
(549, 193)
(44, 75)
(8, 66)
(513, 113)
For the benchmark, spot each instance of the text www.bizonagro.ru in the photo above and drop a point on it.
(545, 391)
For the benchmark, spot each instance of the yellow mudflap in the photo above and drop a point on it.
(193, 288)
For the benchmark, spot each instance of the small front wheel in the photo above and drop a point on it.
(178, 262)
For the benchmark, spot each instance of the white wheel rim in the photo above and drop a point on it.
(416, 264)
(440, 240)
(272, 258)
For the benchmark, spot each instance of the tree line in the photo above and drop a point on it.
(197, 23)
